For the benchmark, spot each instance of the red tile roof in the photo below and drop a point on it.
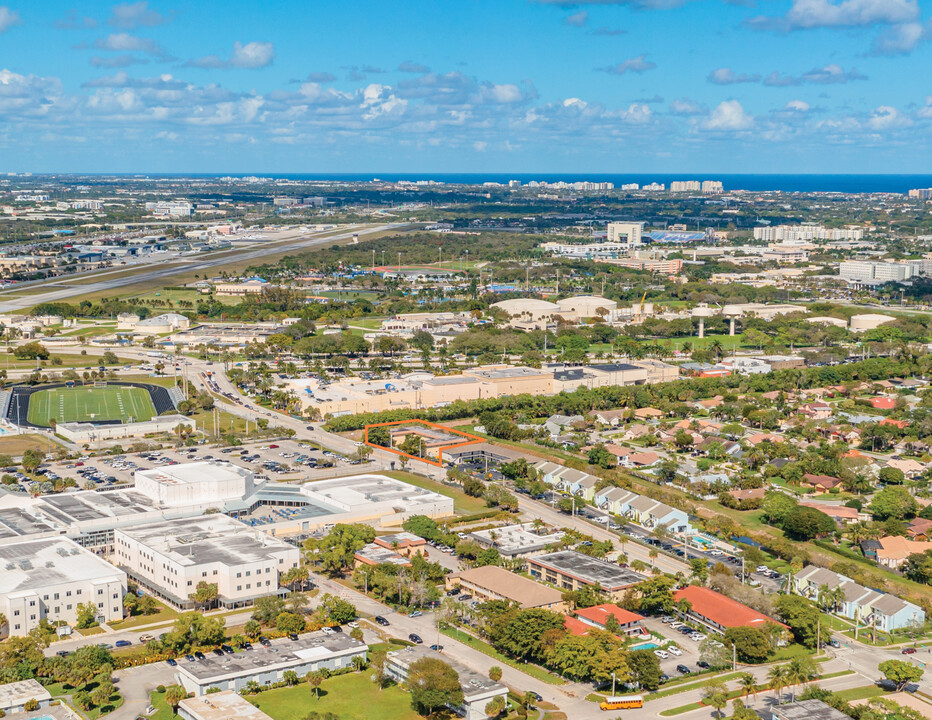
(575, 627)
(599, 614)
(896, 423)
(721, 610)
(883, 403)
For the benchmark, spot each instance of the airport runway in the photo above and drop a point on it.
(183, 264)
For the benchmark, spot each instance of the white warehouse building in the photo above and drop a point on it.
(195, 483)
(171, 558)
(48, 578)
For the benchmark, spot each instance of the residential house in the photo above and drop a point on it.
(919, 529)
(718, 611)
(882, 403)
(751, 494)
(641, 460)
(894, 550)
(613, 418)
(909, 467)
(558, 424)
(648, 413)
(821, 483)
(816, 410)
(839, 513)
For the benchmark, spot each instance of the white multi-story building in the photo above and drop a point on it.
(685, 186)
(627, 234)
(48, 578)
(806, 232)
(195, 483)
(921, 193)
(868, 272)
(712, 187)
(171, 558)
(173, 208)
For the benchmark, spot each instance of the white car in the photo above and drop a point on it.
(327, 630)
(698, 637)
(674, 650)
(661, 654)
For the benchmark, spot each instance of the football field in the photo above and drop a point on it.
(90, 404)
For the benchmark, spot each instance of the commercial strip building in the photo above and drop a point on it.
(491, 582)
(571, 570)
(171, 558)
(268, 664)
(87, 433)
(719, 612)
(48, 578)
(478, 689)
(225, 705)
(863, 605)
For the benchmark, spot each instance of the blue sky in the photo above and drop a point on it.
(471, 86)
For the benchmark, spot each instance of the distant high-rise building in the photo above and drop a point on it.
(685, 186)
(712, 187)
(624, 233)
(805, 232)
(921, 193)
(867, 272)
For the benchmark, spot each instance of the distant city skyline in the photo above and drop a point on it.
(519, 86)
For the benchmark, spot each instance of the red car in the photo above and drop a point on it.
(908, 651)
(273, 447)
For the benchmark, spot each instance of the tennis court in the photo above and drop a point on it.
(90, 404)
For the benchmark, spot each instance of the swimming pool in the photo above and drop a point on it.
(645, 646)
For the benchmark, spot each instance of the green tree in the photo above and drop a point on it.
(174, 694)
(315, 680)
(496, 706)
(806, 523)
(495, 673)
(715, 695)
(644, 667)
(204, 595)
(337, 610)
(519, 632)
(287, 622)
(266, 609)
(900, 672)
(893, 501)
(433, 684)
(86, 615)
(32, 459)
(776, 506)
(801, 617)
(751, 644)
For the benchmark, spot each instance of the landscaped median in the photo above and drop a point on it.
(733, 694)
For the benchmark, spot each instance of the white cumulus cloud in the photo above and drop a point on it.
(728, 116)
(8, 18)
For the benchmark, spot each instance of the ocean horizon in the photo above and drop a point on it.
(796, 182)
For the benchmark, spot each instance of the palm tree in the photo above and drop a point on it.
(776, 680)
(748, 685)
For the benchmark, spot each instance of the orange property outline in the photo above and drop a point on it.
(474, 439)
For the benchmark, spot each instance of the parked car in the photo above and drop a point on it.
(415, 613)
(171, 662)
(381, 621)
(683, 670)
(415, 638)
(123, 643)
(437, 648)
(661, 654)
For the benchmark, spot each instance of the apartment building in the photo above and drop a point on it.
(571, 570)
(806, 232)
(625, 233)
(868, 272)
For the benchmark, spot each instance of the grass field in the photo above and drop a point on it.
(84, 404)
(16, 445)
(350, 697)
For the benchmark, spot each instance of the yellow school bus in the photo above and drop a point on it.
(622, 703)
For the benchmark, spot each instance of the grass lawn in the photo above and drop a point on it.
(18, 444)
(862, 693)
(162, 710)
(462, 503)
(85, 403)
(164, 614)
(349, 697)
(483, 647)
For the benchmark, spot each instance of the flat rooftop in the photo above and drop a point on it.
(807, 710)
(281, 653)
(16, 693)
(15, 522)
(196, 472)
(511, 539)
(207, 539)
(226, 705)
(589, 570)
(34, 565)
(68, 508)
(473, 683)
(506, 373)
(358, 491)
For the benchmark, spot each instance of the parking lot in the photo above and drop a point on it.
(687, 640)
(282, 460)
